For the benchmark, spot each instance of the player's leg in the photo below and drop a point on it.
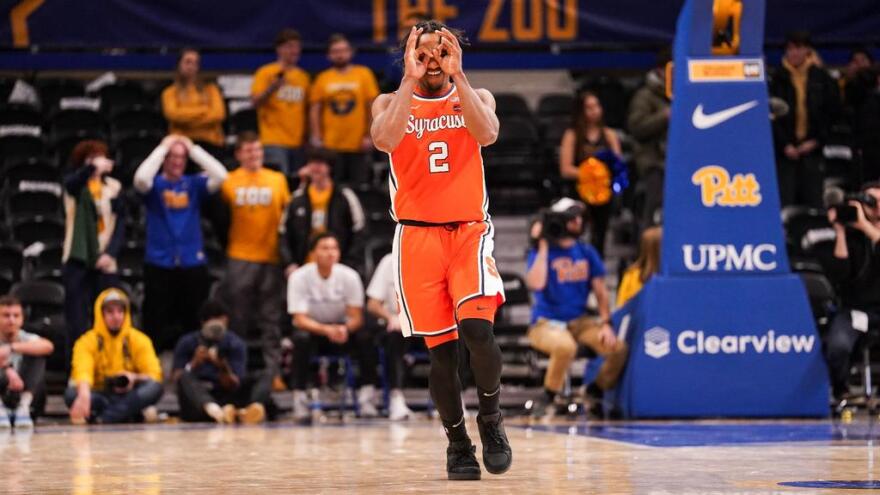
(477, 288)
(426, 309)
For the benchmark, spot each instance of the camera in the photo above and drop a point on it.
(554, 220)
(836, 199)
(116, 381)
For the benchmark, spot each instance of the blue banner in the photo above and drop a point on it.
(236, 24)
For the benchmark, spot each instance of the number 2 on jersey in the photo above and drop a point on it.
(439, 151)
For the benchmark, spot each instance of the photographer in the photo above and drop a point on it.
(854, 267)
(562, 271)
(116, 376)
(209, 369)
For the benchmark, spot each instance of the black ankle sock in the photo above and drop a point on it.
(489, 401)
(456, 432)
(551, 395)
(594, 391)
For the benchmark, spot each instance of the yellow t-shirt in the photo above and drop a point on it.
(282, 117)
(257, 201)
(630, 285)
(344, 98)
(96, 188)
(197, 115)
(320, 201)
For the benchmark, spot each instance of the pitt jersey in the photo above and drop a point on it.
(437, 170)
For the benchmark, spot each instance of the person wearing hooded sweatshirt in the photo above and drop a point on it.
(115, 376)
(799, 136)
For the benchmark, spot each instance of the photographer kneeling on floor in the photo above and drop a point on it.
(854, 268)
(562, 271)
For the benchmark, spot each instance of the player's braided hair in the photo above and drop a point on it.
(430, 26)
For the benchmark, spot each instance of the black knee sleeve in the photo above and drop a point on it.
(444, 383)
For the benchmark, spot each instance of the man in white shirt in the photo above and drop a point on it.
(325, 300)
(22, 366)
(382, 303)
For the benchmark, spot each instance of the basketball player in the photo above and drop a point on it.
(446, 281)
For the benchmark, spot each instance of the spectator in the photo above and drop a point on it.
(648, 122)
(586, 138)
(257, 198)
(322, 206)
(562, 272)
(194, 108)
(800, 135)
(175, 276)
(94, 232)
(854, 267)
(858, 79)
(116, 376)
(645, 266)
(210, 371)
(382, 303)
(279, 95)
(325, 300)
(22, 366)
(339, 114)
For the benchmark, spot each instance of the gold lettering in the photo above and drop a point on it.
(565, 29)
(717, 187)
(443, 12)
(532, 30)
(380, 29)
(490, 31)
(406, 9)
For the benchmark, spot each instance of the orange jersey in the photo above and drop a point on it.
(437, 170)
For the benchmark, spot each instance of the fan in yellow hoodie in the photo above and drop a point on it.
(116, 376)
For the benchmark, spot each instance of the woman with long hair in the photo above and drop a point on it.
(194, 108)
(645, 266)
(588, 137)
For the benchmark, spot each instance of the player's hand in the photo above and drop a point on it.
(448, 53)
(415, 63)
(103, 165)
(16, 384)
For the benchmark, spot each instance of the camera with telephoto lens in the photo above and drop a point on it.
(211, 335)
(554, 220)
(116, 381)
(836, 199)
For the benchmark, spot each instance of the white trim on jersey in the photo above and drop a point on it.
(435, 98)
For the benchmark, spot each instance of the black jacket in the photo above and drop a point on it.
(857, 278)
(823, 106)
(345, 218)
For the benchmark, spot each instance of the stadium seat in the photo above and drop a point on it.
(514, 158)
(20, 114)
(131, 152)
(73, 121)
(28, 230)
(15, 147)
(242, 120)
(823, 299)
(121, 95)
(47, 264)
(11, 258)
(806, 230)
(131, 262)
(32, 203)
(41, 298)
(556, 104)
(511, 105)
(375, 249)
(30, 170)
(7, 279)
(53, 90)
(136, 119)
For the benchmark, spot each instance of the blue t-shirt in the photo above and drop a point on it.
(569, 275)
(174, 229)
(231, 348)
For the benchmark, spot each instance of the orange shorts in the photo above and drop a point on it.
(442, 275)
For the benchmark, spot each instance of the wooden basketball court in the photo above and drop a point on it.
(382, 457)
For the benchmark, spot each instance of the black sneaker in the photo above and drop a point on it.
(461, 463)
(497, 455)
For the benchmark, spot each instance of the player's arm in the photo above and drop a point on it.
(477, 105)
(391, 111)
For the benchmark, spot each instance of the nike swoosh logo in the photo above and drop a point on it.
(704, 121)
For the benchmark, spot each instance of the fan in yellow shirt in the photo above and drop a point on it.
(647, 264)
(193, 107)
(339, 111)
(279, 94)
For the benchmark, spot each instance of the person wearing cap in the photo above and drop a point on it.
(320, 206)
(799, 136)
(562, 272)
(115, 375)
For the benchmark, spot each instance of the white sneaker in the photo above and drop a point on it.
(366, 395)
(301, 412)
(23, 419)
(5, 420)
(397, 410)
(150, 414)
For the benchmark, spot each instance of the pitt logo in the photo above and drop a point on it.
(719, 189)
(175, 200)
(420, 126)
(570, 271)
